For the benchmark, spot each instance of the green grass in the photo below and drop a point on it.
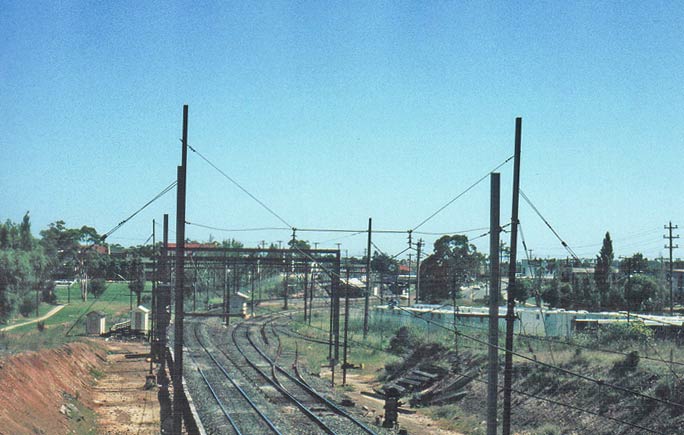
(114, 302)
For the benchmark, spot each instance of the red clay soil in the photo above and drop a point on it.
(35, 385)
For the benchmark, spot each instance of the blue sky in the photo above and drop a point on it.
(333, 112)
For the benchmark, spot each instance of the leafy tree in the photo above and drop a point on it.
(136, 276)
(299, 244)
(384, 264)
(27, 306)
(551, 294)
(452, 263)
(522, 290)
(639, 290)
(25, 237)
(97, 287)
(637, 263)
(602, 272)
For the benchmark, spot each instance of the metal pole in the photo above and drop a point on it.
(493, 365)
(306, 285)
(510, 312)
(252, 293)
(180, 282)
(420, 245)
(346, 321)
(154, 288)
(336, 304)
(368, 280)
(164, 302)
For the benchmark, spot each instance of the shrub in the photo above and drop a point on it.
(97, 286)
(27, 306)
(629, 364)
(401, 342)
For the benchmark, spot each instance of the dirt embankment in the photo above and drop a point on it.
(84, 388)
(48, 392)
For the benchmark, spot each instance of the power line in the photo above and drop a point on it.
(239, 186)
(237, 230)
(555, 233)
(439, 210)
(123, 222)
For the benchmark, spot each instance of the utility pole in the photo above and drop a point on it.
(178, 393)
(368, 280)
(154, 287)
(346, 321)
(163, 304)
(493, 364)
(510, 312)
(420, 245)
(408, 283)
(670, 246)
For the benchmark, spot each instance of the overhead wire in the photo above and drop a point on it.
(239, 186)
(123, 222)
(468, 189)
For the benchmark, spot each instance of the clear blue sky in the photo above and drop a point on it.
(335, 112)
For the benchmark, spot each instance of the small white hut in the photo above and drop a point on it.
(140, 319)
(95, 323)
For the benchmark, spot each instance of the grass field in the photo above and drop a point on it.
(69, 323)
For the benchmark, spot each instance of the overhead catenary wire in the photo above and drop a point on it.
(468, 189)
(239, 186)
(123, 222)
(555, 233)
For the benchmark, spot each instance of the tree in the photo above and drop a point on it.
(97, 287)
(639, 290)
(453, 262)
(551, 294)
(602, 272)
(637, 263)
(522, 290)
(136, 276)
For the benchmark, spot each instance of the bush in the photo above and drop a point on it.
(47, 289)
(27, 306)
(401, 343)
(618, 334)
(629, 364)
(97, 287)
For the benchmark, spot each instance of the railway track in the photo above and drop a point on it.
(326, 415)
(239, 412)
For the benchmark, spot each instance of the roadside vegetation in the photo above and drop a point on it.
(627, 355)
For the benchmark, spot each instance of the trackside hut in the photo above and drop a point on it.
(95, 323)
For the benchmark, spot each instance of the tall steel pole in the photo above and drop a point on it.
(510, 312)
(180, 282)
(420, 245)
(493, 365)
(368, 280)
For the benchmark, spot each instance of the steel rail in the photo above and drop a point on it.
(242, 392)
(219, 402)
(320, 423)
(311, 391)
